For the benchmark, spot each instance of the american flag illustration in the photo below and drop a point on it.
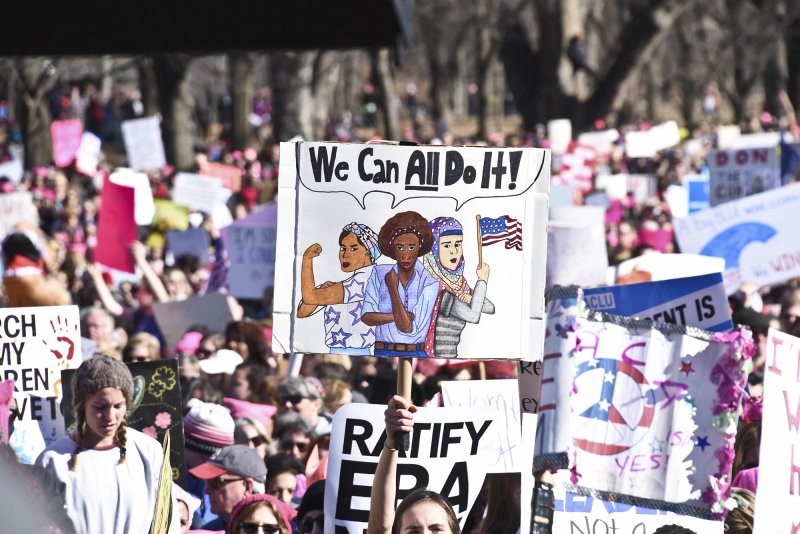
(502, 229)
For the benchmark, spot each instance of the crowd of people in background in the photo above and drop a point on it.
(256, 439)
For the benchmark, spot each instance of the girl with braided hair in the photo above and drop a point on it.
(109, 473)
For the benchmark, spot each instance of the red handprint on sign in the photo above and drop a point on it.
(65, 349)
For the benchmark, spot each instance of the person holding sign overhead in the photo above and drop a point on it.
(342, 301)
(400, 298)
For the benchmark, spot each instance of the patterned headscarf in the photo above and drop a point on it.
(366, 237)
(441, 227)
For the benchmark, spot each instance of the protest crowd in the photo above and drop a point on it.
(168, 266)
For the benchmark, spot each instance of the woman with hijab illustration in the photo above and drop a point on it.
(343, 301)
(400, 297)
(456, 304)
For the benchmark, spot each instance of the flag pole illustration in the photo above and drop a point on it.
(480, 242)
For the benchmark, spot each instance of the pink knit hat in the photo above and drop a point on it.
(189, 342)
(260, 412)
(208, 427)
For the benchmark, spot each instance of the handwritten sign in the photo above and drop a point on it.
(737, 173)
(143, 144)
(648, 143)
(88, 155)
(193, 241)
(16, 208)
(66, 137)
(251, 249)
(779, 461)
(200, 193)
(501, 396)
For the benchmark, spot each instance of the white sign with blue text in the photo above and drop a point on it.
(698, 301)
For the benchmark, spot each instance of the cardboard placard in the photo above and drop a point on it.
(174, 318)
(143, 144)
(738, 173)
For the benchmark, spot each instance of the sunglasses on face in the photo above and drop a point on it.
(219, 482)
(307, 524)
(287, 445)
(257, 440)
(292, 399)
(253, 528)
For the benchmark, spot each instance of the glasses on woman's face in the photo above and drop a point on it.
(249, 527)
(294, 400)
(307, 524)
(257, 440)
(288, 444)
(219, 482)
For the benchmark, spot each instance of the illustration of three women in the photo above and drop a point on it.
(415, 307)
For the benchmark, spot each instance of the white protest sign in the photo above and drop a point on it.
(175, 318)
(737, 173)
(579, 514)
(450, 452)
(37, 344)
(655, 266)
(88, 155)
(726, 133)
(144, 208)
(529, 378)
(576, 243)
(559, 132)
(250, 243)
(615, 185)
(646, 144)
(758, 140)
(643, 187)
(13, 170)
(677, 197)
(197, 192)
(16, 208)
(779, 459)
(501, 396)
(492, 201)
(756, 236)
(143, 144)
(602, 141)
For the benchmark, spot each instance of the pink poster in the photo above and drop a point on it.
(6, 394)
(66, 140)
(229, 175)
(116, 228)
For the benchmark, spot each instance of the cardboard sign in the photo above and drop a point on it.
(559, 132)
(200, 193)
(144, 208)
(450, 451)
(143, 144)
(156, 408)
(37, 343)
(698, 301)
(486, 205)
(116, 228)
(251, 249)
(194, 241)
(653, 409)
(779, 491)
(16, 208)
(654, 266)
(503, 397)
(577, 253)
(646, 144)
(13, 170)
(66, 137)
(88, 155)
(230, 176)
(737, 173)
(756, 236)
(579, 514)
(175, 318)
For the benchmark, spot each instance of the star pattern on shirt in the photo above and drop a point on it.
(332, 316)
(354, 290)
(368, 338)
(356, 314)
(339, 337)
(702, 442)
(686, 367)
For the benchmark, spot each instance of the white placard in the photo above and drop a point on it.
(197, 192)
(143, 144)
(741, 172)
(16, 208)
(144, 208)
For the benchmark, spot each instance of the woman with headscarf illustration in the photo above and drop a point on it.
(456, 304)
(343, 301)
(400, 297)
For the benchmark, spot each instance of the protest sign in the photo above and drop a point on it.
(16, 208)
(529, 381)
(144, 208)
(576, 167)
(677, 197)
(450, 451)
(579, 514)
(116, 228)
(779, 463)
(485, 205)
(156, 408)
(250, 243)
(737, 173)
(13, 170)
(576, 244)
(602, 141)
(193, 241)
(562, 195)
(648, 143)
(643, 187)
(230, 176)
(755, 236)
(698, 301)
(654, 411)
(559, 132)
(170, 216)
(503, 397)
(726, 133)
(615, 185)
(6, 395)
(88, 155)
(164, 496)
(654, 266)
(200, 193)
(698, 189)
(143, 144)
(37, 344)
(757, 140)
(66, 137)
(175, 318)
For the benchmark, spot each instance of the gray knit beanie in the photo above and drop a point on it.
(98, 373)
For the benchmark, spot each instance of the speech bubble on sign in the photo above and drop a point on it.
(407, 172)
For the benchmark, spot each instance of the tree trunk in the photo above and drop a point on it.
(792, 44)
(327, 67)
(147, 86)
(521, 66)
(389, 123)
(441, 91)
(242, 90)
(35, 77)
(551, 103)
(292, 74)
(484, 65)
(176, 109)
